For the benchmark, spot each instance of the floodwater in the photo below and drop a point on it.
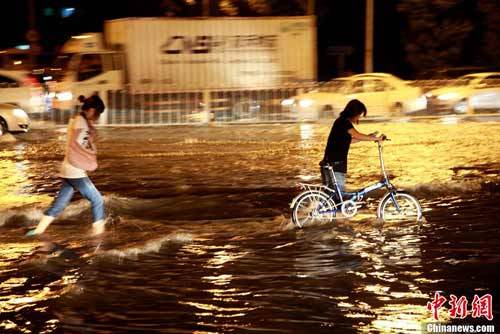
(199, 238)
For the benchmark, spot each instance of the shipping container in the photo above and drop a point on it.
(214, 53)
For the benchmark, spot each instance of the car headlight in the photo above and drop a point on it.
(287, 102)
(461, 107)
(305, 103)
(447, 96)
(421, 102)
(64, 96)
(19, 113)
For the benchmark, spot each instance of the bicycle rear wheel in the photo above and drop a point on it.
(312, 207)
(399, 207)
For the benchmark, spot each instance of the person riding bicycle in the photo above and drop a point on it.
(342, 134)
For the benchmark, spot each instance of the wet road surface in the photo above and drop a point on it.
(199, 239)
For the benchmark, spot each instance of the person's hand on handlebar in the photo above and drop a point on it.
(376, 137)
(358, 136)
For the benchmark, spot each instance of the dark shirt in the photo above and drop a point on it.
(338, 144)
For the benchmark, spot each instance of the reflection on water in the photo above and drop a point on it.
(199, 239)
(15, 187)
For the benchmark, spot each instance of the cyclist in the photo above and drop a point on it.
(342, 134)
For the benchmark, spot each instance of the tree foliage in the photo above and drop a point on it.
(235, 7)
(490, 11)
(446, 33)
(261, 7)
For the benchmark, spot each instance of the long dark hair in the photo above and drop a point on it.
(353, 108)
(94, 101)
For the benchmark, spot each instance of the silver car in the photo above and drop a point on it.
(13, 119)
(20, 88)
(478, 92)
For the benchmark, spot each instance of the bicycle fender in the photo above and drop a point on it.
(292, 204)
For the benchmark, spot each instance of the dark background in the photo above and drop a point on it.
(411, 36)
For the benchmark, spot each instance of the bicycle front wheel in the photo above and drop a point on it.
(312, 207)
(399, 207)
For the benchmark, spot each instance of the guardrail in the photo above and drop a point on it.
(201, 107)
(155, 107)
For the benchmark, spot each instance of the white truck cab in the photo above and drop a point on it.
(86, 68)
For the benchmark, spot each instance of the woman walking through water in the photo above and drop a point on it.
(80, 157)
(341, 136)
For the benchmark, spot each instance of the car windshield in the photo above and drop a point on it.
(60, 65)
(333, 86)
(61, 62)
(464, 81)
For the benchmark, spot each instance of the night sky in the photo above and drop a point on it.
(340, 23)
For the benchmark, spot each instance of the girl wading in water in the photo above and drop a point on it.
(341, 136)
(80, 157)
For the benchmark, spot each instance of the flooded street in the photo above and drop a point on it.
(200, 239)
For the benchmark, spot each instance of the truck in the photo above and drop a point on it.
(141, 55)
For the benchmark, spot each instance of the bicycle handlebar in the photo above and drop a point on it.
(384, 138)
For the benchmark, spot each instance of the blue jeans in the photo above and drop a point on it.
(329, 181)
(340, 181)
(86, 188)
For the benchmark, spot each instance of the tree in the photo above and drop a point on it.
(262, 7)
(490, 11)
(435, 32)
(447, 33)
(235, 7)
(181, 7)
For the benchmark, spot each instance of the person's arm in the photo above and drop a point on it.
(77, 147)
(358, 136)
(371, 134)
(92, 138)
(78, 125)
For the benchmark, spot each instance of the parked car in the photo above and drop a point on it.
(382, 93)
(469, 93)
(13, 119)
(21, 89)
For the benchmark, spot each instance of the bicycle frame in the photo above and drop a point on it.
(383, 183)
(358, 195)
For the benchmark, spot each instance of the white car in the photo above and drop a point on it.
(469, 93)
(21, 89)
(13, 119)
(382, 93)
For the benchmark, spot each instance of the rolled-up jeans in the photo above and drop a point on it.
(329, 181)
(86, 188)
